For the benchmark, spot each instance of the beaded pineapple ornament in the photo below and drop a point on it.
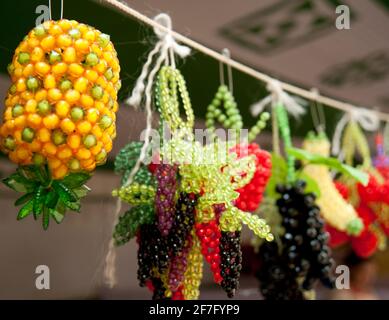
(59, 119)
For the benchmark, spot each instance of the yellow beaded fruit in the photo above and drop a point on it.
(60, 109)
(64, 68)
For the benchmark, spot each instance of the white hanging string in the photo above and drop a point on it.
(50, 15)
(163, 52)
(317, 113)
(367, 119)
(292, 104)
(306, 94)
(226, 52)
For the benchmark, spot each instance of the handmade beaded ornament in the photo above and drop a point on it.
(184, 210)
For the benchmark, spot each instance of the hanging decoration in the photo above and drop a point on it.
(182, 204)
(59, 118)
(367, 199)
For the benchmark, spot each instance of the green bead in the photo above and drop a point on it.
(89, 141)
(32, 84)
(75, 33)
(54, 57)
(17, 110)
(74, 164)
(65, 85)
(103, 40)
(58, 137)
(105, 122)
(77, 113)
(28, 135)
(91, 59)
(9, 143)
(12, 89)
(38, 159)
(265, 116)
(97, 92)
(39, 31)
(23, 57)
(44, 107)
(108, 74)
(10, 68)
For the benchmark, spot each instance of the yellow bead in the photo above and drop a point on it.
(75, 69)
(69, 55)
(81, 84)
(49, 82)
(67, 126)
(59, 68)
(82, 45)
(30, 106)
(72, 96)
(42, 68)
(51, 121)
(34, 120)
(89, 35)
(50, 148)
(44, 135)
(48, 43)
(64, 153)
(62, 108)
(74, 141)
(92, 115)
(54, 94)
(64, 40)
(84, 127)
(87, 101)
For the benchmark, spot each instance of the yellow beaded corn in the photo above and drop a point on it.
(335, 210)
(60, 109)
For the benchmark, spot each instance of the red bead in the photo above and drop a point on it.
(251, 194)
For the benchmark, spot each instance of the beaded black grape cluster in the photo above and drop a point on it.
(152, 252)
(230, 261)
(305, 256)
(183, 222)
(159, 289)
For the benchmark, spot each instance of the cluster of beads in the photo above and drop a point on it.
(166, 176)
(152, 252)
(135, 194)
(170, 83)
(183, 222)
(231, 119)
(178, 266)
(193, 272)
(305, 256)
(230, 261)
(159, 289)
(209, 236)
(251, 194)
(130, 222)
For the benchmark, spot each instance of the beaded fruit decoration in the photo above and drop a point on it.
(291, 265)
(185, 205)
(335, 210)
(59, 118)
(250, 196)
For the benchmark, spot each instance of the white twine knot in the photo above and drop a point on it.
(367, 119)
(292, 104)
(166, 44)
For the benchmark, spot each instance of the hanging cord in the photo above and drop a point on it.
(317, 113)
(226, 53)
(367, 119)
(306, 94)
(50, 10)
(163, 52)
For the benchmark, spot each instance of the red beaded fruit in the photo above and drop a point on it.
(178, 294)
(251, 194)
(209, 236)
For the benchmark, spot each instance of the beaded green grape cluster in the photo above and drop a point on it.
(135, 193)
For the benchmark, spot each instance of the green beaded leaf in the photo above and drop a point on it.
(39, 200)
(46, 218)
(25, 210)
(58, 217)
(19, 183)
(65, 194)
(332, 163)
(45, 196)
(23, 199)
(75, 180)
(130, 222)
